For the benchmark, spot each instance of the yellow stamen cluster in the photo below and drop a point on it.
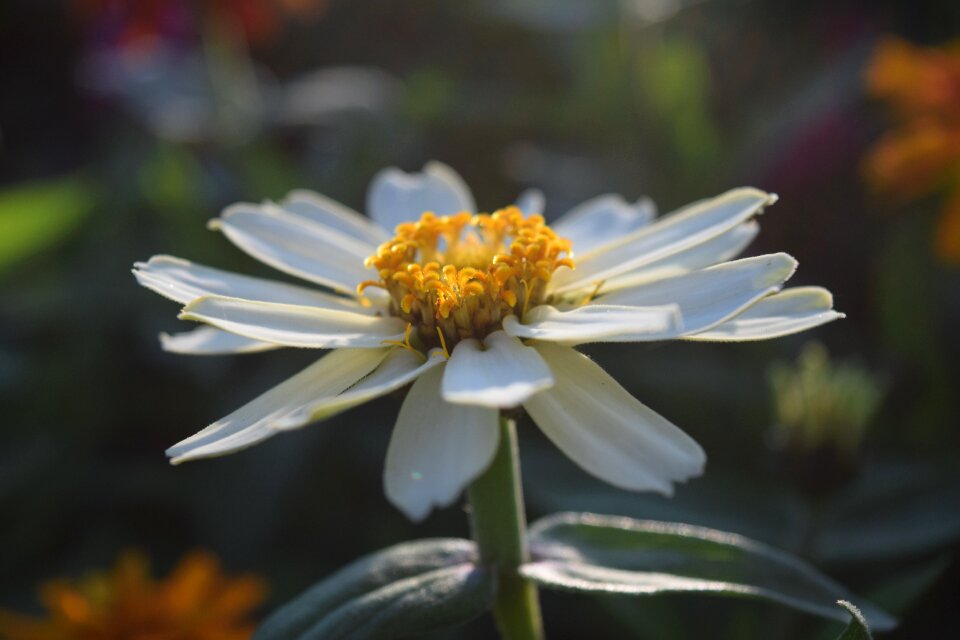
(458, 276)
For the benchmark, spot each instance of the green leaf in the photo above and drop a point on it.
(38, 215)
(857, 629)
(415, 587)
(616, 555)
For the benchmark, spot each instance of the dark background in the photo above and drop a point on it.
(125, 126)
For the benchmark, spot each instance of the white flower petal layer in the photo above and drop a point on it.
(597, 323)
(531, 201)
(501, 375)
(606, 431)
(790, 311)
(253, 422)
(396, 196)
(603, 219)
(710, 296)
(437, 448)
(210, 341)
(671, 234)
(720, 249)
(183, 281)
(319, 208)
(293, 325)
(295, 245)
(400, 368)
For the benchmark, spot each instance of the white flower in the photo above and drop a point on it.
(480, 312)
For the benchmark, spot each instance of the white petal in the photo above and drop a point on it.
(671, 234)
(210, 341)
(710, 296)
(531, 201)
(502, 375)
(297, 246)
(293, 325)
(724, 247)
(329, 212)
(597, 323)
(603, 219)
(183, 281)
(790, 311)
(254, 422)
(437, 448)
(399, 369)
(608, 432)
(396, 196)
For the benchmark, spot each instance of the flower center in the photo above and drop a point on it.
(456, 277)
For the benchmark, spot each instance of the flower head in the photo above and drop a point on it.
(481, 312)
(457, 277)
(921, 155)
(822, 404)
(195, 602)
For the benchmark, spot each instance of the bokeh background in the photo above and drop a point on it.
(125, 126)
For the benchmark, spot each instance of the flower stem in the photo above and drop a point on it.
(499, 528)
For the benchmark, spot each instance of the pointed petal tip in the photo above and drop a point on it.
(767, 197)
(790, 263)
(175, 456)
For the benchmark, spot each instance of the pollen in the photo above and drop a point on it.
(458, 276)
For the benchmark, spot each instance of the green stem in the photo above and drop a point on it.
(499, 527)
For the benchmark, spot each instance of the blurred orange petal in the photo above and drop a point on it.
(195, 602)
(913, 161)
(192, 581)
(239, 596)
(916, 80)
(892, 69)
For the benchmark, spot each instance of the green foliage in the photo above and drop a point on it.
(615, 555)
(677, 85)
(857, 629)
(409, 588)
(912, 328)
(171, 180)
(36, 216)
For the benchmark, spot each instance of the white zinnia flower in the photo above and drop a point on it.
(480, 312)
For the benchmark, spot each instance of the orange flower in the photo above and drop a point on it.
(921, 155)
(195, 602)
(915, 80)
(915, 160)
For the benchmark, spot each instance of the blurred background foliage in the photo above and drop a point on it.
(124, 126)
